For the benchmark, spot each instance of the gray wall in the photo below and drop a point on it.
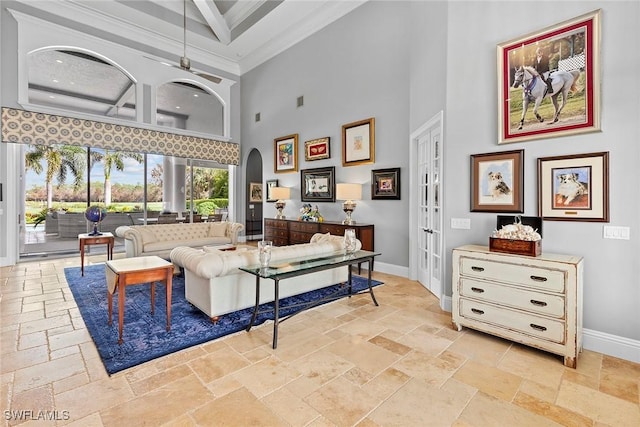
(344, 76)
(409, 60)
(611, 293)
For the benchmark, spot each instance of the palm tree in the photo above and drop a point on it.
(60, 161)
(111, 159)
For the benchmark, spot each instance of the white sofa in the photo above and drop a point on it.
(215, 285)
(160, 239)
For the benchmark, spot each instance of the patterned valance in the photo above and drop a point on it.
(27, 127)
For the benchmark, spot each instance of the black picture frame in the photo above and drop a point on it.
(318, 185)
(385, 184)
(269, 184)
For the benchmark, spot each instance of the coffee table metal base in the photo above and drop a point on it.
(306, 306)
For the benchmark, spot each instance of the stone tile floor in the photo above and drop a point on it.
(347, 363)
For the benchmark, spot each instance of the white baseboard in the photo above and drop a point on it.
(611, 345)
(396, 270)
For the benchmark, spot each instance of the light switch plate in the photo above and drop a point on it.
(461, 223)
(613, 232)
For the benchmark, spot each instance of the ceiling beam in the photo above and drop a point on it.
(214, 18)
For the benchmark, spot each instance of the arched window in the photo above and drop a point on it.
(75, 80)
(189, 106)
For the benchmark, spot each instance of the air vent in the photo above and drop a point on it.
(257, 117)
(300, 101)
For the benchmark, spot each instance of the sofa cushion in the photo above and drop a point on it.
(218, 229)
(170, 244)
(148, 236)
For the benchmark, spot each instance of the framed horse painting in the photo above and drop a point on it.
(549, 81)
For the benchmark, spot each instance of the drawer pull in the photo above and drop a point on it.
(539, 303)
(538, 278)
(477, 290)
(538, 327)
(474, 268)
(476, 311)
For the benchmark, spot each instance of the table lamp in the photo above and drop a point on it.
(280, 194)
(348, 193)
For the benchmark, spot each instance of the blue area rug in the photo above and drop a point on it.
(145, 336)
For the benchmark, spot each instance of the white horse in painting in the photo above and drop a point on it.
(534, 89)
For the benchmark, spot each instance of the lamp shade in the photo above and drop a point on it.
(348, 191)
(281, 193)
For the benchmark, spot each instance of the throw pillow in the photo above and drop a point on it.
(218, 229)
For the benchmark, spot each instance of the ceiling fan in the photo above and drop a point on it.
(185, 62)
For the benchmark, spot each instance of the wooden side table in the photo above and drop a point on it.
(132, 271)
(87, 239)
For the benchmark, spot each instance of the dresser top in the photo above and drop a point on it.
(545, 256)
(357, 224)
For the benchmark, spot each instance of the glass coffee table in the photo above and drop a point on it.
(295, 267)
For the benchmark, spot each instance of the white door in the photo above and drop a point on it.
(426, 206)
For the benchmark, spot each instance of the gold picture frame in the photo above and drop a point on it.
(358, 142)
(317, 149)
(285, 154)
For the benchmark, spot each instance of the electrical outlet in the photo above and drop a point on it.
(461, 223)
(619, 233)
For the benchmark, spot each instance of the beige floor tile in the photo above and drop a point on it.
(216, 365)
(342, 402)
(485, 410)
(386, 383)
(103, 394)
(160, 405)
(432, 370)
(293, 409)
(489, 380)
(539, 391)
(344, 363)
(418, 403)
(239, 408)
(363, 354)
(533, 364)
(390, 345)
(556, 413)
(160, 379)
(47, 372)
(480, 347)
(266, 376)
(598, 406)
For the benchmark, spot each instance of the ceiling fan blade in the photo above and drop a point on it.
(209, 77)
(185, 63)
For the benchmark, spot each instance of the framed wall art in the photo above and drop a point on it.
(497, 182)
(318, 185)
(358, 142)
(549, 81)
(385, 184)
(255, 192)
(574, 188)
(270, 184)
(285, 152)
(317, 149)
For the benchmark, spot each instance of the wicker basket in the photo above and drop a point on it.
(516, 247)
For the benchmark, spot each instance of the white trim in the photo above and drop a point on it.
(396, 270)
(437, 119)
(446, 303)
(611, 345)
(11, 210)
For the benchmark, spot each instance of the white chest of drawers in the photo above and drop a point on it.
(533, 301)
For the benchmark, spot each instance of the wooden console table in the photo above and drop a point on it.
(290, 231)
